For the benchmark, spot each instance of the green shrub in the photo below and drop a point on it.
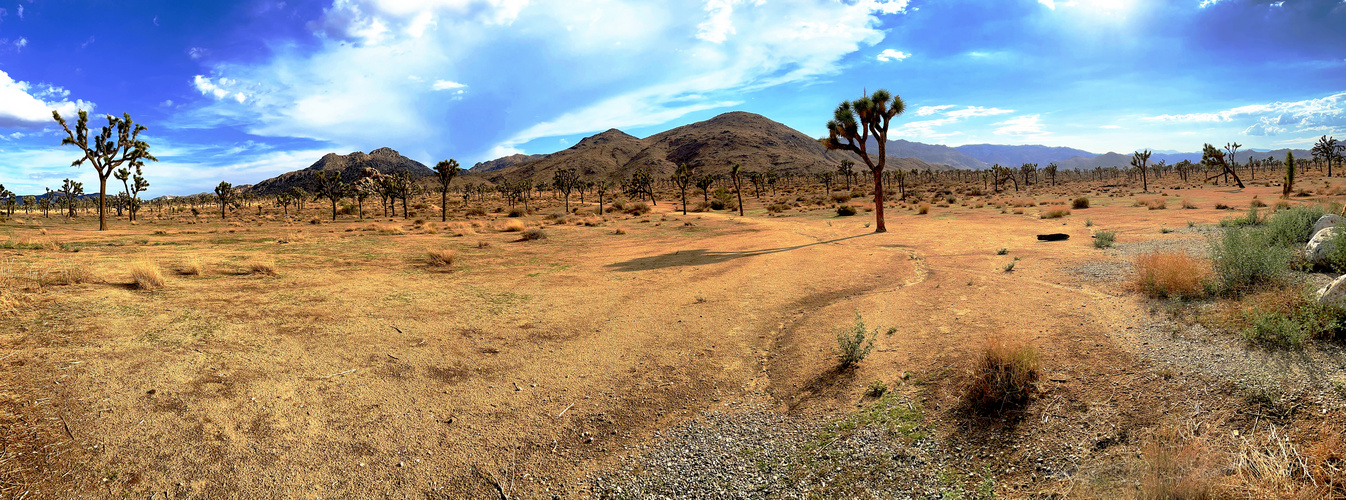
(1243, 260)
(1291, 227)
(876, 389)
(1080, 202)
(851, 345)
(1291, 321)
(846, 211)
(1104, 239)
(1252, 218)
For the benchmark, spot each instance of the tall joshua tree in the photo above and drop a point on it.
(329, 185)
(852, 125)
(117, 144)
(445, 171)
(736, 174)
(1289, 185)
(566, 180)
(226, 195)
(1328, 149)
(683, 177)
(1213, 158)
(1142, 163)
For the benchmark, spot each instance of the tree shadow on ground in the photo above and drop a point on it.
(701, 256)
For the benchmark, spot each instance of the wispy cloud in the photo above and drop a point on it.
(1325, 114)
(1022, 126)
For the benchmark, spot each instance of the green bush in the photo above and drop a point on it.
(846, 211)
(1252, 218)
(1080, 202)
(1243, 260)
(1291, 323)
(851, 345)
(1104, 239)
(1291, 227)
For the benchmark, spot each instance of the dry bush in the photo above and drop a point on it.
(1152, 203)
(1079, 203)
(261, 268)
(1055, 213)
(924, 209)
(637, 208)
(1256, 203)
(1171, 274)
(534, 234)
(1178, 465)
(1004, 377)
(513, 226)
(386, 228)
(460, 229)
(441, 258)
(1271, 465)
(192, 267)
(1187, 204)
(146, 276)
(475, 212)
(74, 273)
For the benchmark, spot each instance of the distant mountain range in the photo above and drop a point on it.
(385, 160)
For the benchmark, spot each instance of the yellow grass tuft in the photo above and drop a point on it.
(261, 268)
(192, 267)
(441, 258)
(1004, 376)
(1171, 274)
(513, 226)
(1055, 212)
(146, 276)
(74, 273)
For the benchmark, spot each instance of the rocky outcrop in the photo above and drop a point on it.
(351, 166)
(1320, 246)
(1326, 221)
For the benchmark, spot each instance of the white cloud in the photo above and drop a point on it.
(1207, 3)
(20, 12)
(1022, 126)
(21, 43)
(446, 85)
(23, 105)
(930, 110)
(719, 24)
(892, 55)
(197, 52)
(926, 129)
(1325, 114)
(1051, 4)
(1110, 127)
(972, 111)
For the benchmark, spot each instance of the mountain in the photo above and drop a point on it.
(502, 162)
(712, 146)
(1013, 156)
(934, 153)
(1121, 160)
(385, 160)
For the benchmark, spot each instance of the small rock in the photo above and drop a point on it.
(1326, 221)
(1317, 249)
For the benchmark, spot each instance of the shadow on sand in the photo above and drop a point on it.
(701, 256)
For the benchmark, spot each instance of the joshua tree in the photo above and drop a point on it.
(704, 183)
(117, 144)
(1328, 149)
(1231, 155)
(28, 202)
(299, 195)
(683, 177)
(1028, 170)
(8, 196)
(846, 170)
(642, 183)
(283, 201)
(226, 195)
(399, 186)
(1214, 158)
(445, 171)
(1289, 174)
(1051, 169)
(873, 114)
(133, 192)
(602, 186)
(566, 180)
(735, 174)
(70, 193)
(1142, 161)
(328, 185)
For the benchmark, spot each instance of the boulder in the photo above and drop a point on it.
(1326, 221)
(1334, 293)
(1053, 237)
(1317, 249)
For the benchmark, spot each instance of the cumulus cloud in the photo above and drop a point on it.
(930, 110)
(23, 105)
(929, 128)
(1325, 114)
(1021, 126)
(892, 55)
(719, 24)
(446, 85)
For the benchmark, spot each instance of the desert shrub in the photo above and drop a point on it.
(1242, 260)
(1256, 203)
(701, 206)
(1105, 239)
(846, 211)
(1055, 213)
(776, 208)
(441, 258)
(460, 229)
(1291, 227)
(74, 273)
(637, 208)
(1171, 274)
(1156, 204)
(852, 347)
(192, 267)
(513, 226)
(146, 276)
(876, 389)
(475, 212)
(923, 209)
(1002, 251)
(534, 234)
(1079, 203)
(517, 212)
(261, 268)
(1287, 318)
(1177, 465)
(1003, 378)
(1251, 218)
(1009, 268)
(841, 197)
(1186, 204)
(1221, 206)
(619, 231)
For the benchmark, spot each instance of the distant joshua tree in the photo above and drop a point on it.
(226, 195)
(566, 181)
(298, 194)
(137, 185)
(329, 185)
(1328, 149)
(602, 186)
(445, 171)
(8, 197)
(70, 193)
(704, 182)
(1051, 169)
(1141, 160)
(846, 170)
(117, 144)
(736, 174)
(1212, 157)
(683, 177)
(642, 184)
(1289, 185)
(852, 125)
(28, 202)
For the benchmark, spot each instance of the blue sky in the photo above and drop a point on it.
(246, 90)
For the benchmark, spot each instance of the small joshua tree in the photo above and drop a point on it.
(736, 174)
(850, 129)
(602, 186)
(226, 195)
(1142, 163)
(445, 171)
(683, 177)
(70, 193)
(1212, 157)
(566, 180)
(704, 183)
(137, 185)
(117, 144)
(328, 185)
(854, 344)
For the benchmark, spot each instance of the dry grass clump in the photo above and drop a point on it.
(1171, 274)
(513, 226)
(1004, 377)
(386, 228)
(1079, 203)
(1270, 464)
(1055, 213)
(192, 267)
(261, 268)
(923, 209)
(441, 258)
(1188, 205)
(146, 276)
(74, 273)
(1152, 203)
(1178, 464)
(460, 229)
(534, 234)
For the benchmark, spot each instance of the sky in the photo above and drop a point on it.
(243, 91)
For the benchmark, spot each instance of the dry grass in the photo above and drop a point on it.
(1178, 465)
(1079, 203)
(387, 228)
(74, 273)
(192, 267)
(441, 258)
(1004, 377)
(460, 229)
(260, 268)
(1152, 203)
(534, 234)
(1171, 274)
(1055, 213)
(513, 226)
(146, 276)
(1271, 465)
(1187, 204)
(924, 209)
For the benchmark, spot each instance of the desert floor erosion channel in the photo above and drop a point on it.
(643, 353)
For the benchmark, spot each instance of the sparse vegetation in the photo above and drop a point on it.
(534, 234)
(146, 276)
(1003, 376)
(846, 211)
(1105, 239)
(1079, 203)
(441, 257)
(1171, 274)
(1055, 213)
(855, 343)
(261, 268)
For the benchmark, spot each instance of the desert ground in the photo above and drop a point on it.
(296, 357)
